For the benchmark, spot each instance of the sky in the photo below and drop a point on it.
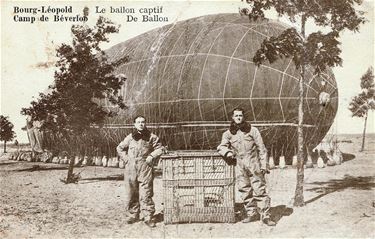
(28, 49)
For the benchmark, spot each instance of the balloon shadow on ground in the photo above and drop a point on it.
(314, 155)
(347, 157)
(276, 212)
(159, 217)
(337, 185)
(3, 164)
(39, 168)
(280, 211)
(117, 177)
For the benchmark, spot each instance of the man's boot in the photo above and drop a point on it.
(268, 222)
(131, 220)
(150, 223)
(251, 218)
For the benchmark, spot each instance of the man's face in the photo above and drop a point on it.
(140, 123)
(238, 117)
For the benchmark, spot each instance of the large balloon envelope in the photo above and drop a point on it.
(186, 78)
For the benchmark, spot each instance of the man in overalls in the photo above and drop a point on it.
(243, 144)
(138, 151)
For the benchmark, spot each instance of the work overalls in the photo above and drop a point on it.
(139, 174)
(251, 157)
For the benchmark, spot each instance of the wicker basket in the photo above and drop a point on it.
(198, 187)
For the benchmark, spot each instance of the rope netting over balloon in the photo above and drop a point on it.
(187, 77)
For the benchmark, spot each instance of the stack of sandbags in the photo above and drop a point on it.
(28, 157)
(37, 157)
(320, 162)
(337, 156)
(121, 164)
(55, 159)
(330, 161)
(113, 162)
(20, 156)
(104, 161)
(294, 161)
(15, 155)
(282, 163)
(271, 162)
(98, 161)
(86, 161)
(64, 160)
(46, 157)
(116, 162)
(328, 157)
(110, 163)
(309, 162)
(326, 151)
(77, 160)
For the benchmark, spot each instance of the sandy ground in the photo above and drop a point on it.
(340, 202)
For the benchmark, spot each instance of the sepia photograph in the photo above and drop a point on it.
(187, 119)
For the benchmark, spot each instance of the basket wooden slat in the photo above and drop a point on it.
(198, 187)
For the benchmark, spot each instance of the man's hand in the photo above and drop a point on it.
(124, 157)
(230, 155)
(149, 160)
(264, 171)
(230, 159)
